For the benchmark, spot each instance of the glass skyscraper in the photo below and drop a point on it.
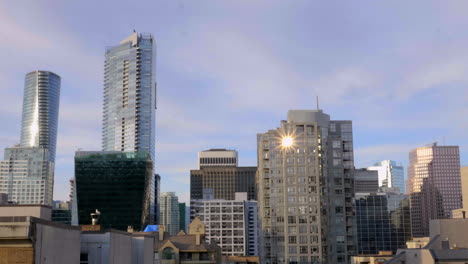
(130, 95)
(383, 221)
(40, 111)
(391, 174)
(118, 184)
(305, 190)
(27, 171)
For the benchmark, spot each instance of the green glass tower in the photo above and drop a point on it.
(118, 184)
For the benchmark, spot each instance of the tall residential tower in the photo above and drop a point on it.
(305, 190)
(169, 212)
(27, 172)
(129, 110)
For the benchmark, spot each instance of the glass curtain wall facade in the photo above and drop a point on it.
(130, 96)
(119, 185)
(434, 185)
(383, 222)
(40, 111)
(391, 174)
(305, 191)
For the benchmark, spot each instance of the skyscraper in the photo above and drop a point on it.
(170, 213)
(218, 173)
(434, 185)
(27, 172)
(391, 174)
(130, 96)
(305, 190)
(40, 111)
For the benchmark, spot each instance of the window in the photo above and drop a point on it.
(336, 144)
(84, 258)
(292, 239)
(332, 127)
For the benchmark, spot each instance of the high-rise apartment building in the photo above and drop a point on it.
(365, 181)
(130, 96)
(382, 220)
(218, 173)
(170, 213)
(27, 171)
(305, 190)
(182, 217)
(231, 223)
(391, 174)
(434, 185)
(117, 184)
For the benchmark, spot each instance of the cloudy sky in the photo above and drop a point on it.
(227, 70)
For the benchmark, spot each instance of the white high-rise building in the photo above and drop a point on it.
(305, 190)
(391, 174)
(231, 223)
(169, 212)
(27, 171)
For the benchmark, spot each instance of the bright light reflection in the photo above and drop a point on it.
(287, 141)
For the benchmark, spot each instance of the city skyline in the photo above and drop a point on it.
(210, 79)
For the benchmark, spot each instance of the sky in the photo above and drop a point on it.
(227, 70)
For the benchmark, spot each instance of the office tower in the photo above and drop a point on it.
(434, 185)
(118, 184)
(382, 220)
(390, 173)
(231, 223)
(218, 172)
(130, 96)
(182, 214)
(157, 190)
(170, 214)
(365, 181)
(27, 171)
(305, 190)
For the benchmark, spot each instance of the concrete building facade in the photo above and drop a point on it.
(434, 185)
(218, 172)
(305, 190)
(231, 223)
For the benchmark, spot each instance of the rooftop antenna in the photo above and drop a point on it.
(318, 108)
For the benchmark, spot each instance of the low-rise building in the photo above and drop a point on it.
(379, 258)
(185, 248)
(29, 240)
(447, 244)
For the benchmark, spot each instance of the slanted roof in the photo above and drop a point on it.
(450, 254)
(184, 243)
